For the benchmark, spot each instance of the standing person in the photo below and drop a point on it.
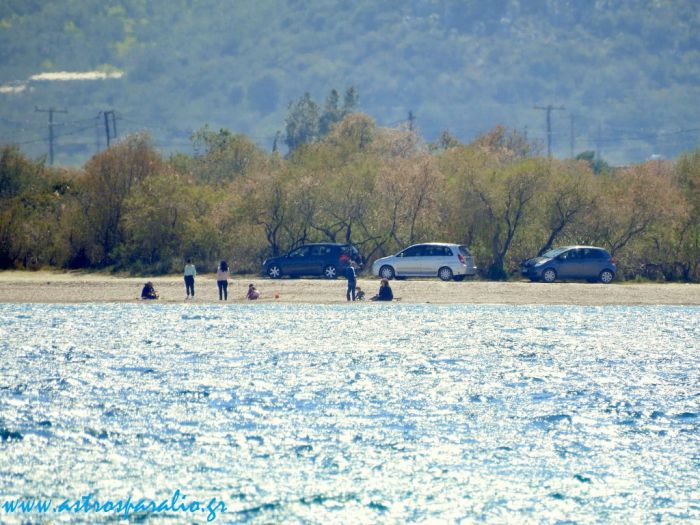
(190, 272)
(222, 276)
(385, 293)
(352, 280)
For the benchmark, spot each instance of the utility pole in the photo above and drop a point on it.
(572, 140)
(50, 111)
(549, 109)
(597, 143)
(111, 134)
(411, 120)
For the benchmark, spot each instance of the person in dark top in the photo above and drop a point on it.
(148, 291)
(352, 280)
(385, 293)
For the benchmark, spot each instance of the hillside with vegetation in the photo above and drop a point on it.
(627, 71)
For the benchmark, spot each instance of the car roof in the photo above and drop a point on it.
(325, 244)
(436, 244)
(579, 246)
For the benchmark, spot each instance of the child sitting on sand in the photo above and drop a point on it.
(148, 291)
(252, 292)
(359, 294)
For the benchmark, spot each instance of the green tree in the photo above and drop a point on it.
(331, 113)
(685, 246)
(157, 215)
(108, 181)
(302, 123)
(221, 156)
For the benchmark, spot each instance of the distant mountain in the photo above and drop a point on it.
(627, 72)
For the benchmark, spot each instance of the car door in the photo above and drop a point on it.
(409, 261)
(319, 258)
(434, 258)
(297, 261)
(594, 262)
(571, 264)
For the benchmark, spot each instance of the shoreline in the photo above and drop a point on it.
(77, 287)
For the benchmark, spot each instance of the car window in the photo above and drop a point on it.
(553, 253)
(413, 251)
(598, 254)
(350, 249)
(320, 251)
(299, 252)
(433, 251)
(465, 251)
(567, 255)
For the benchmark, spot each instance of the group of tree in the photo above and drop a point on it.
(130, 209)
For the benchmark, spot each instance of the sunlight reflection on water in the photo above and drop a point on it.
(360, 413)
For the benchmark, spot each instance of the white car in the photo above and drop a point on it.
(432, 259)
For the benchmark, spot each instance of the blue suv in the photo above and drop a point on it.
(571, 262)
(324, 259)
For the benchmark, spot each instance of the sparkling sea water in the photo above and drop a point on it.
(362, 413)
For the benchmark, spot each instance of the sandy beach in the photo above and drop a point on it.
(80, 287)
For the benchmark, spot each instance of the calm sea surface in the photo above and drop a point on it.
(354, 414)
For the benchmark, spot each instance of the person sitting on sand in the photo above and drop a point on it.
(252, 292)
(148, 291)
(385, 293)
(359, 294)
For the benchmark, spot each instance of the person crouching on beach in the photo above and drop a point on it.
(222, 276)
(252, 292)
(385, 293)
(359, 294)
(190, 272)
(149, 292)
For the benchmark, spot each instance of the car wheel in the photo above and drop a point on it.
(606, 276)
(549, 275)
(445, 273)
(459, 278)
(387, 272)
(274, 271)
(330, 272)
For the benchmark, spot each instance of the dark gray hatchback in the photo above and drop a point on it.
(571, 262)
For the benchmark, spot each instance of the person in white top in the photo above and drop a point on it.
(222, 276)
(190, 272)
